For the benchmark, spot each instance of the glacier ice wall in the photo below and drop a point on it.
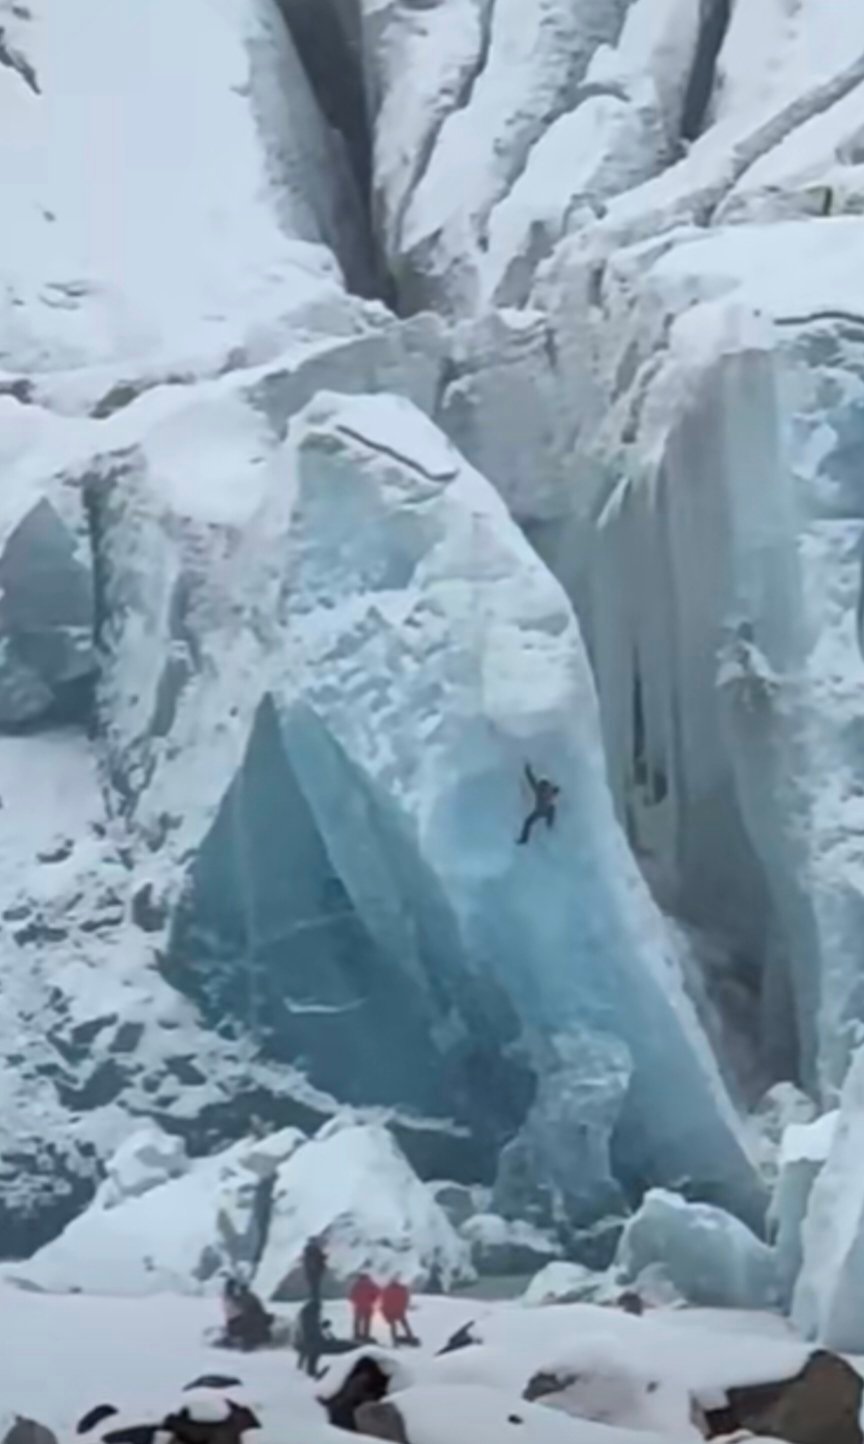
(639, 224)
(368, 593)
(732, 689)
(473, 649)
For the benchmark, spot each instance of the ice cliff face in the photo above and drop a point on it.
(294, 582)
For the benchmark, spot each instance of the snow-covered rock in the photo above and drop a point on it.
(146, 1159)
(149, 1234)
(565, 1283)
(47, 661)
(597, 1379)
(352, 1187)
(471, 1412)
(507, 1246)
(711, 1258)
(458, 1201)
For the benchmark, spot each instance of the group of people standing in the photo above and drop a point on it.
(315, 1336)
(392, 1299)
(248, 1325)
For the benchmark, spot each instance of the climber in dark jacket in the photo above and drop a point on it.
(546, 796)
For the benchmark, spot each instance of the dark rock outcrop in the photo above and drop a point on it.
(821, 1405)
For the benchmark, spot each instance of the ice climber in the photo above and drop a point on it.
(546, 796)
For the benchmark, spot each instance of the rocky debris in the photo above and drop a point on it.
(27, 1431)
(205, 1416)
(821, 1405)
(502, 1246)
(456, 1199)
(381, 1420)
(366, 1382)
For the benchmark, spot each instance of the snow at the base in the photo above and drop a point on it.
(567, 1283)
(62, 1356)
(352, 1185)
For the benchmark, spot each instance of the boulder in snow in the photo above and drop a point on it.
(820, 1405)
(567, 1283)
(144, 1160)
(46, 605)
(457, 1200)
(507, 1246)
(597, 1379)
(26, 1431)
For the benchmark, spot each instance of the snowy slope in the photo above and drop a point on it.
(162, 210)
(150, 1349)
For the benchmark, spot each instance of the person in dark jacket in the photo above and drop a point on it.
(248, 1325)
(310, 1337)
(546, 796)
(314, 1267)
(314, 1339)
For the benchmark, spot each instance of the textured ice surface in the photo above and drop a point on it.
(477, 653)
(567, 1137)
(728, 719)
(826, 1302)
(409, 902)
(507, 85)
(804, 1151)
(709, 1256)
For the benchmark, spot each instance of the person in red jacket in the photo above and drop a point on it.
(364, 1298)
(395, 1303)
